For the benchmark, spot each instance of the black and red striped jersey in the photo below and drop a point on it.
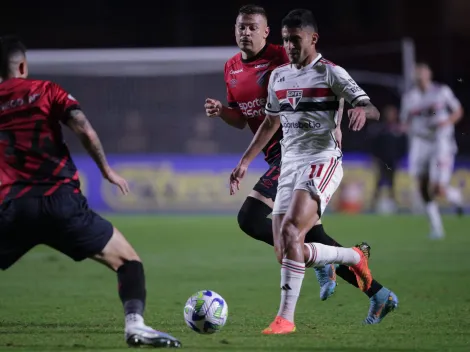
(247, 83)
(34, 159)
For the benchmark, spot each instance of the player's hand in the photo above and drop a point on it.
(117, 180)
(213, 107)
(339, 137)
(236, 176)
(357, 118)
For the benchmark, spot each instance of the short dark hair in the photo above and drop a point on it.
(252, 10)
(9, 45)
(300, 18)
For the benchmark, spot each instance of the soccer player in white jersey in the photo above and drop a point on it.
(425, 114)
(303, 98)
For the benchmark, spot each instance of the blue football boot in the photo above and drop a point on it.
(382, 303)
(326, 277)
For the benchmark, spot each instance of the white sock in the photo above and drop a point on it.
(292, 275)
(432, 211)
(454, 196)
(134, 319)
(321, 254)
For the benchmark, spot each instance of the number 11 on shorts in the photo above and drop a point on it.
(316, 171)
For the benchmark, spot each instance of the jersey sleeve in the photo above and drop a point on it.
(232, 103)
(62, 102)
(272, 104)
(450, 99)
(345, 87)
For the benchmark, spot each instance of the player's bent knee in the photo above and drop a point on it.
(117, 252)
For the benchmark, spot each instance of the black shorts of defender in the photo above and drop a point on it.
(61, 221)
(267, 184)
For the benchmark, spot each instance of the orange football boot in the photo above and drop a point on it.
(280, 326)
(361, 269)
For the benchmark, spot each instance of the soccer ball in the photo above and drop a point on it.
(205, 312)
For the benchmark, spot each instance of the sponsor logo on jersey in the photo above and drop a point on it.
(302, 124)
(234, 72)
(262, 65)
(253, 108)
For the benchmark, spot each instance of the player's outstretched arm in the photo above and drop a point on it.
(338, 132)
(372, 113)
(345, 87)
(233, 117)
(362, 111)
(79, 124)
(265, 132)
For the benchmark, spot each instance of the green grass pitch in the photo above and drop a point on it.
(49, 303)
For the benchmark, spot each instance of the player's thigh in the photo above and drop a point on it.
(281, 204)
(441, 170)
(320, 179)
(301, 216)
(16, 236)
(419, 159)
(266, 187)
(75, 229)
(285, 187)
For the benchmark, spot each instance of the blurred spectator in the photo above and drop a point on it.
(388, 146)
(201, 140)
(135, 138)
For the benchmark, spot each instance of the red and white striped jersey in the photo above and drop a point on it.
(425, 110)
(307, 100)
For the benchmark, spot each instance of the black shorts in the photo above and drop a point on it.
(61, 221)
(267, 184)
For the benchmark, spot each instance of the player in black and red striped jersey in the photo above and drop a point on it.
(40, 197)
(246, 77)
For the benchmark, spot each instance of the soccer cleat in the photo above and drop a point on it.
(361, 269)
(279, 326)
(326, 277)
(142, 335)
(382, 303)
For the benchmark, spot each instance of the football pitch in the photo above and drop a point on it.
(49, 303)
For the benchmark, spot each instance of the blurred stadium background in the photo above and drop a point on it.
(142, 72)
(145, 78)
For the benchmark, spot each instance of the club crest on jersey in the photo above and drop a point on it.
(294, 97)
